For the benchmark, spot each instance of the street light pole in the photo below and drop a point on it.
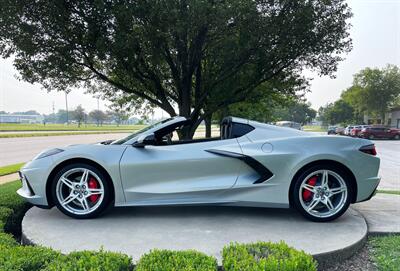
(66, 105)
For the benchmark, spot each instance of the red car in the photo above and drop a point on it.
(380, 132)
(357, 129)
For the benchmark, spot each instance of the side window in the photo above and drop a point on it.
(240, 129)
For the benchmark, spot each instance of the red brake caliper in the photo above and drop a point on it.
(93, 185)
(307, 194)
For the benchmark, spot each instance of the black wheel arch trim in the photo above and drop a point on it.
(264, 172)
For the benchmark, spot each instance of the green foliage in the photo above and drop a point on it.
(339, 112)
(5, 213)
(26, 258)
(9, 199)
(10, 169)
(266, 256)
(7, 240)
(386, 252)
(379, 89)
(166, 260)
(91, 261)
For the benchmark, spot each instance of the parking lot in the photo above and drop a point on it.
(389, 152)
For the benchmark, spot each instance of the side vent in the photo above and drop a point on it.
(265, 173)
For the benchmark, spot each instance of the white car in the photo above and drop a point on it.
(250, 164)
(347, 130)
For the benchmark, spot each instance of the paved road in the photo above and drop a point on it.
(389, 152)
(16, 150)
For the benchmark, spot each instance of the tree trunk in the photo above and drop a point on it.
(207, 120)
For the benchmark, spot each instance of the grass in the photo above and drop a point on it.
(386, 252)
(13, 135)
(310, 128)
(14, 127)
(10, 169)
(392, 192)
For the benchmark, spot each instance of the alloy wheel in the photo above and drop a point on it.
(323, 193)
(80, 191)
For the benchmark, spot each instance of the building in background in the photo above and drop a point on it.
(392, 119)
(17, 118)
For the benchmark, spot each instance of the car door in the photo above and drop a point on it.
(178, 173)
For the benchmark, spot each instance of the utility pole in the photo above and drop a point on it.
(66, 105)
(98, 104)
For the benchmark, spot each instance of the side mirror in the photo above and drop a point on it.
(144, 140)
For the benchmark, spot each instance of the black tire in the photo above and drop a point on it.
(371, 137)
(107, 199)
(396, 137)
(297, 184)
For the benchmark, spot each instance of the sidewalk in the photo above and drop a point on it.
(382, 213)
(8, 178)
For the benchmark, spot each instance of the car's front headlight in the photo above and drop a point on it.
(48, 153)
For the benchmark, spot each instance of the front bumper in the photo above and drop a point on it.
(33, 177)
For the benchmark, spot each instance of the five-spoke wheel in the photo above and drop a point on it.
(81, 191)
(322, 193)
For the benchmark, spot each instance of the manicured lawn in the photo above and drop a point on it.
(386, 252)
(392, 192)
(12, 135)
(309, 128)
(10, 169)
(61, 127)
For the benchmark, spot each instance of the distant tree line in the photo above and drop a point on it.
(374, 92)
(80, 116)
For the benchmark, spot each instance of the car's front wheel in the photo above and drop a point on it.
(322, 193)
(81, 191)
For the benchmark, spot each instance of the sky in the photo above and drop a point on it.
(375, 33)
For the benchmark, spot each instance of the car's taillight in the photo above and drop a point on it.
(368, 149)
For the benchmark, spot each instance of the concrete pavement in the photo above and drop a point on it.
(135, 231)
(382, 213)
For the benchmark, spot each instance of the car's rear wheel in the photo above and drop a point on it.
(371, 137)
(81, 191)
(322, 193)
(396, 137)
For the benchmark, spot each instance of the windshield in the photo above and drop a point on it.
(129, 137)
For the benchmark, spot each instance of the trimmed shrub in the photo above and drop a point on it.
(26, 258)
(7, 240)
(266, 256)
(91, 261)
(10, 200)
(167, 260)
(5, 213)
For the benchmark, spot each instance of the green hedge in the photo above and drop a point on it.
(12, 208)
(167, 260)
(7, 240)
(93, 261)
(266, 256)
(26, 258)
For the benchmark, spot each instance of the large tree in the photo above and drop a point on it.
(376, 90)
(188, 57)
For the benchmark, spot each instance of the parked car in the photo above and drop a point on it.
(332, 130)
(357, 129)
(289, 124)
(380, 132)
(339, 130)
(347, 130)
(249, 164)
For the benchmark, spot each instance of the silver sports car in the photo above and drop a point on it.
(250, 164)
